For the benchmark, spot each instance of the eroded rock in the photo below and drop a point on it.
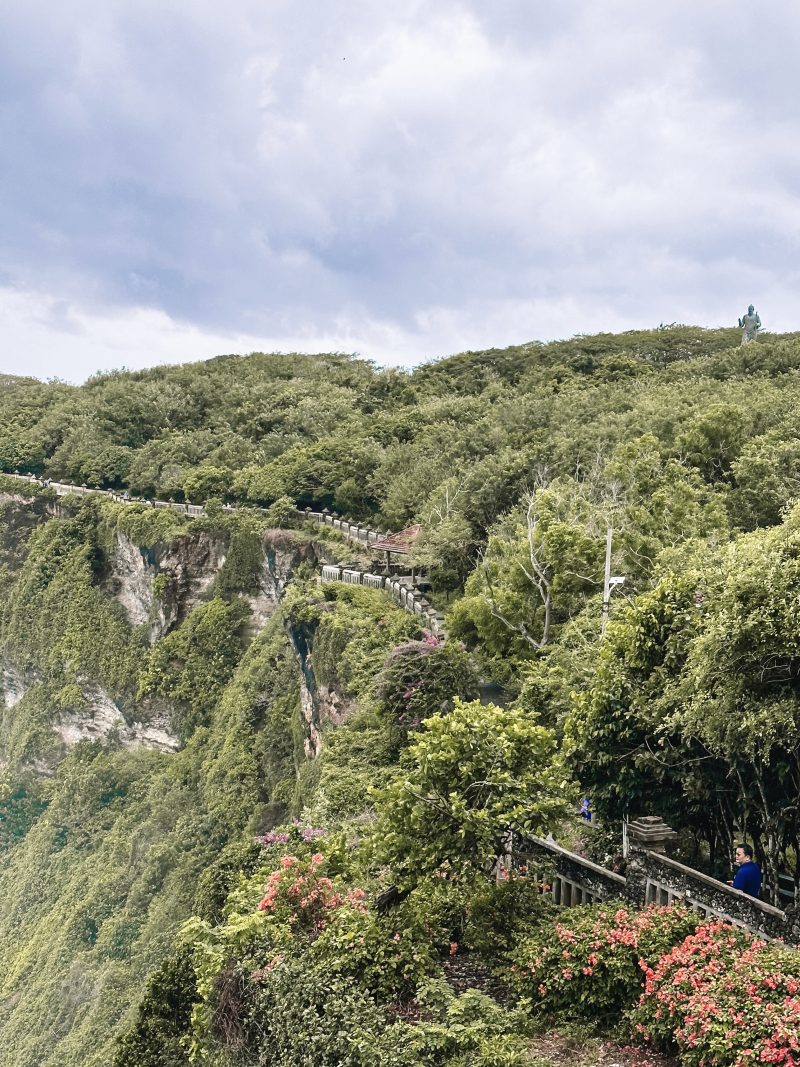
(100, 719)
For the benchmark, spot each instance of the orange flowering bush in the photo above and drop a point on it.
(587, 964)
(300, 895)
(723, 998)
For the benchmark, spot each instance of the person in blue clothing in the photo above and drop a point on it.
(748, 877)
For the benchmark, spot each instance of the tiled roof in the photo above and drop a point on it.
(401, 542)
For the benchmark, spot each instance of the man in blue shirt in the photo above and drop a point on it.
(748, 877)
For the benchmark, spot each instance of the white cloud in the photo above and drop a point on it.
(404, 179)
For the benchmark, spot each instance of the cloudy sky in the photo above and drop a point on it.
(182, 178)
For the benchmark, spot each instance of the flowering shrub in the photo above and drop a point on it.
(422, 678)
(300, 895)
(294, 833)
(725, 999)
(587, 964)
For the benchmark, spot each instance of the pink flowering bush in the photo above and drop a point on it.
(723, 998)
(588, 963)
(300, 895)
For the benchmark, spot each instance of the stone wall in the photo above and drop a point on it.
(572, 879)
(656, 879)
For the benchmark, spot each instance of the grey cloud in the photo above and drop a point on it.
(263, 168)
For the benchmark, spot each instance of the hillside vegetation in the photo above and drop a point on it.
(211, 763)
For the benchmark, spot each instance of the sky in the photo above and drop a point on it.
(404, 180)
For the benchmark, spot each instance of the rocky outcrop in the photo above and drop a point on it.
(133, 577)
(282, 552)
(14, 686)
(300, 637)
(94, 717)
(186, 569)
(100, 719)
(320, 704)
(157, 588)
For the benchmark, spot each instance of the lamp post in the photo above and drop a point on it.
(610, 583)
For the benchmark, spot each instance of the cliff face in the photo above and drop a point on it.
(320, 703)
(100, 719)
(110, 827)
(157, 589)
(186, 569)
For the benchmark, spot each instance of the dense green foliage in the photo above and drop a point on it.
(470, 777)
(341, 712)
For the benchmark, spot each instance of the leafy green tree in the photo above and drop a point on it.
(618, 741)
(714, 439)
(470, 777)
(740, 689)
(767, 476)
(206, 481)
(540, 564)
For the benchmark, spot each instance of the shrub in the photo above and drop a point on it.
(588, 964)
(469, 1029)
(422, 678)
(156, 1038)
(381, 954)
(306, 1016)
(193, 664)
(723, 999)
(474, 912)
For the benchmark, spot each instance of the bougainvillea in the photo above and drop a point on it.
(422, 678)
(724, 999)
(294, 832)
(587, 964)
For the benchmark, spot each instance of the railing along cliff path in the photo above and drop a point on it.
(650, 878)
(400, 587)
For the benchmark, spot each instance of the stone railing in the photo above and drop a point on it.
(651, 878)
(571, 878)
(406, 595)
(402, 592)
(356, 532)
(655, 879)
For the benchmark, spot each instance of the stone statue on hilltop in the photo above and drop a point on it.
(751, 324)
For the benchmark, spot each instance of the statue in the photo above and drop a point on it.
(751, 324)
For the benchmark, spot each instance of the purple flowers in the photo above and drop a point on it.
(273, 838)
(298, 831)
(311, 834)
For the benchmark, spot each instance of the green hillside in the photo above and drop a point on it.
(211, 763)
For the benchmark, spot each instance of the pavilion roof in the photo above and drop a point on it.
(401, 542)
